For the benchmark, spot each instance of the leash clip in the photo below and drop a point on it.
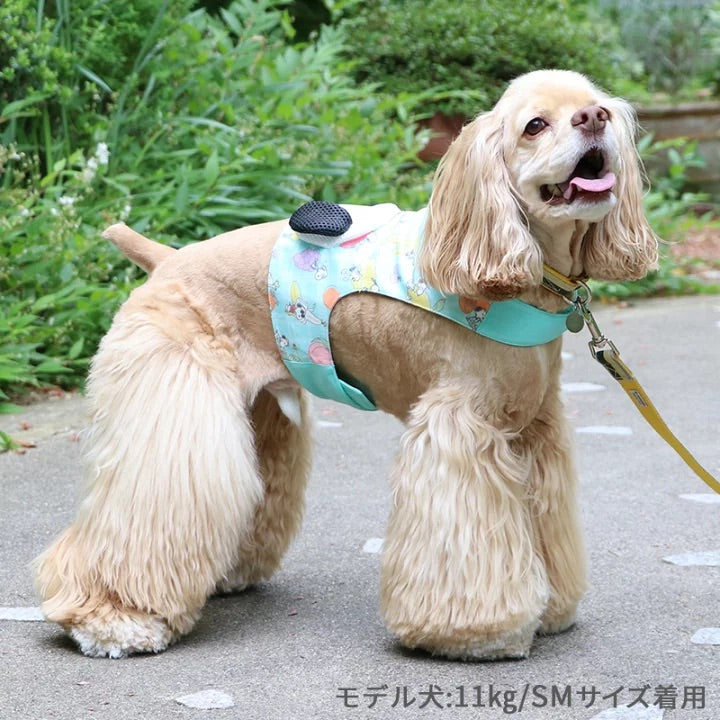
(601, 349)
(581, 299)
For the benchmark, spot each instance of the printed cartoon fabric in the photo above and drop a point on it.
(306, 281)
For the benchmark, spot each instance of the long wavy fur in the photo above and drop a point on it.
(623, 246)
(477, 241)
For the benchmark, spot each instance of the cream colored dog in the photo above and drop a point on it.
(196, 476)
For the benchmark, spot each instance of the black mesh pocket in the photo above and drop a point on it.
(321, 218)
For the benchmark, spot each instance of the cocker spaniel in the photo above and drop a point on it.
(198, 451)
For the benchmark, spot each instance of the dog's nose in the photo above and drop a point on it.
(591, 119)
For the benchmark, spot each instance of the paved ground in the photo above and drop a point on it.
(310, 644)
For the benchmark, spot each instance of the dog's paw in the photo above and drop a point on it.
(227, 587)
(553, 622)
(121, 633)
(512, 645)
(236, 581)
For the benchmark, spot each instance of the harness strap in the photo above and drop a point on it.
(605, 352)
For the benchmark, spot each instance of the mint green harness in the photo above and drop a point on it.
(306, 281)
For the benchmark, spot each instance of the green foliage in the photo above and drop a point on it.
(31, 62)
(7, 443)
(190, 124)
(218, 123)
(669, 209)
(670, 44)
(239, 127)
(59, 283)
(472, 48)
(62, 61)
(668, 200)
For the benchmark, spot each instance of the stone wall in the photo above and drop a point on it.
(697, 121)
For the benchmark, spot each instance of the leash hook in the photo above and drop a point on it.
(601, 349)
(581, 300)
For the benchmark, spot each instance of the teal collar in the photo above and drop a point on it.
(514, 322)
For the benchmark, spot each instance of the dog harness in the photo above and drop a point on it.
(316, 262)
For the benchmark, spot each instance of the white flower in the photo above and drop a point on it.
(66, 201)
(90, 170)
(24, 212)
(102, 153)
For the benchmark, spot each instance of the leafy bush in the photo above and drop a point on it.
(669, 209)
(220, 123)
(31, 63)
(190, 125)
(673, 43)
(239, 127)
(59, 283)
(60, 63)
(472, 48)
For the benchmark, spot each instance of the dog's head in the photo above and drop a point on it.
(554, 158)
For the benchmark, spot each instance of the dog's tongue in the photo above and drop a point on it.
(589, 185)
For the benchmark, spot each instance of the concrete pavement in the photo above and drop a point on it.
(310, 643)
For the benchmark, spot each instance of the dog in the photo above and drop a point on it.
(198, 451)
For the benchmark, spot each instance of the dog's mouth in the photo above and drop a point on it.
(589, 180)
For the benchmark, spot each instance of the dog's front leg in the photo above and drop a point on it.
(460, 574)
(553, 484)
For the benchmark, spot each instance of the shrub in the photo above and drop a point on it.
(220, 123)
(239, 126)
(59, 283)
(61, 62)
(673, 42)
(472, 49)
(669, 209)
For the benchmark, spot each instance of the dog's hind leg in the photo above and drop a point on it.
(172, 482)
(460, 575)
(553, 484)
(284, 456)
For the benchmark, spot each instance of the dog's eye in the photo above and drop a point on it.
(535, 126)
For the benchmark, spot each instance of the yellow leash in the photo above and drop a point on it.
(604, 351)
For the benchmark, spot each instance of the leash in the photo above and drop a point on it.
(577, 293)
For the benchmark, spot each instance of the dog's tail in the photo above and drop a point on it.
(144, 252)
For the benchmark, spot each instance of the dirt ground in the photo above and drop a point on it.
(699, 252)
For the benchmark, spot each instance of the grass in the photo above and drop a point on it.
(216, 123)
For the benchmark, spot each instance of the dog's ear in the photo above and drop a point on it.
(477, 242)
(623, 246)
